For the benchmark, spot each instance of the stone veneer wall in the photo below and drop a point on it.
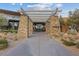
(47, 26)
(30, 27)
(23, 27)
(64, 28)
(52, 26)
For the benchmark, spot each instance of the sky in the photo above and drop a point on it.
(65, 7)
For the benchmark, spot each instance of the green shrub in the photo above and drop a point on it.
(12, 31)
(73, 32)
(62, 39)
(68, 43)
(3, 44)
(77, 44)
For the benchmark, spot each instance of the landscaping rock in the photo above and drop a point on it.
(65, 36)
(2, 35)
(77, 36)
(11, 36)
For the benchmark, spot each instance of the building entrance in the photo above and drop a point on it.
(39, 27)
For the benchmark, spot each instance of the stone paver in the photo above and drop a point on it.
(39, 44)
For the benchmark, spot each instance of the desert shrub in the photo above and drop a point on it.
(68, 43)
(73, 32)
(62, 39)
(77, 44)
(3, 44)
(12, 31)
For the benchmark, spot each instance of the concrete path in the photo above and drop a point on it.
(39, 44)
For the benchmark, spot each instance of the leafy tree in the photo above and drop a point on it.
(74, 19)
(63, 21)
(3, 21)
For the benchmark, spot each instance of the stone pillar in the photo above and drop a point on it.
(47, 26)
(30, 27)
(54, 25)
(23, 27)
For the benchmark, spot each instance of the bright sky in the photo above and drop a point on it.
(40, 6)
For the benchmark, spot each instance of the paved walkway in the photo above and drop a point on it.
(39, 44)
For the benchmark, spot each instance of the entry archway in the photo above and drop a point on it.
(28, 18)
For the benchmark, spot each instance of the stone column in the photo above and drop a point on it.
(30, 27)
(54, 25)
(23, 27)
(47, 26)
